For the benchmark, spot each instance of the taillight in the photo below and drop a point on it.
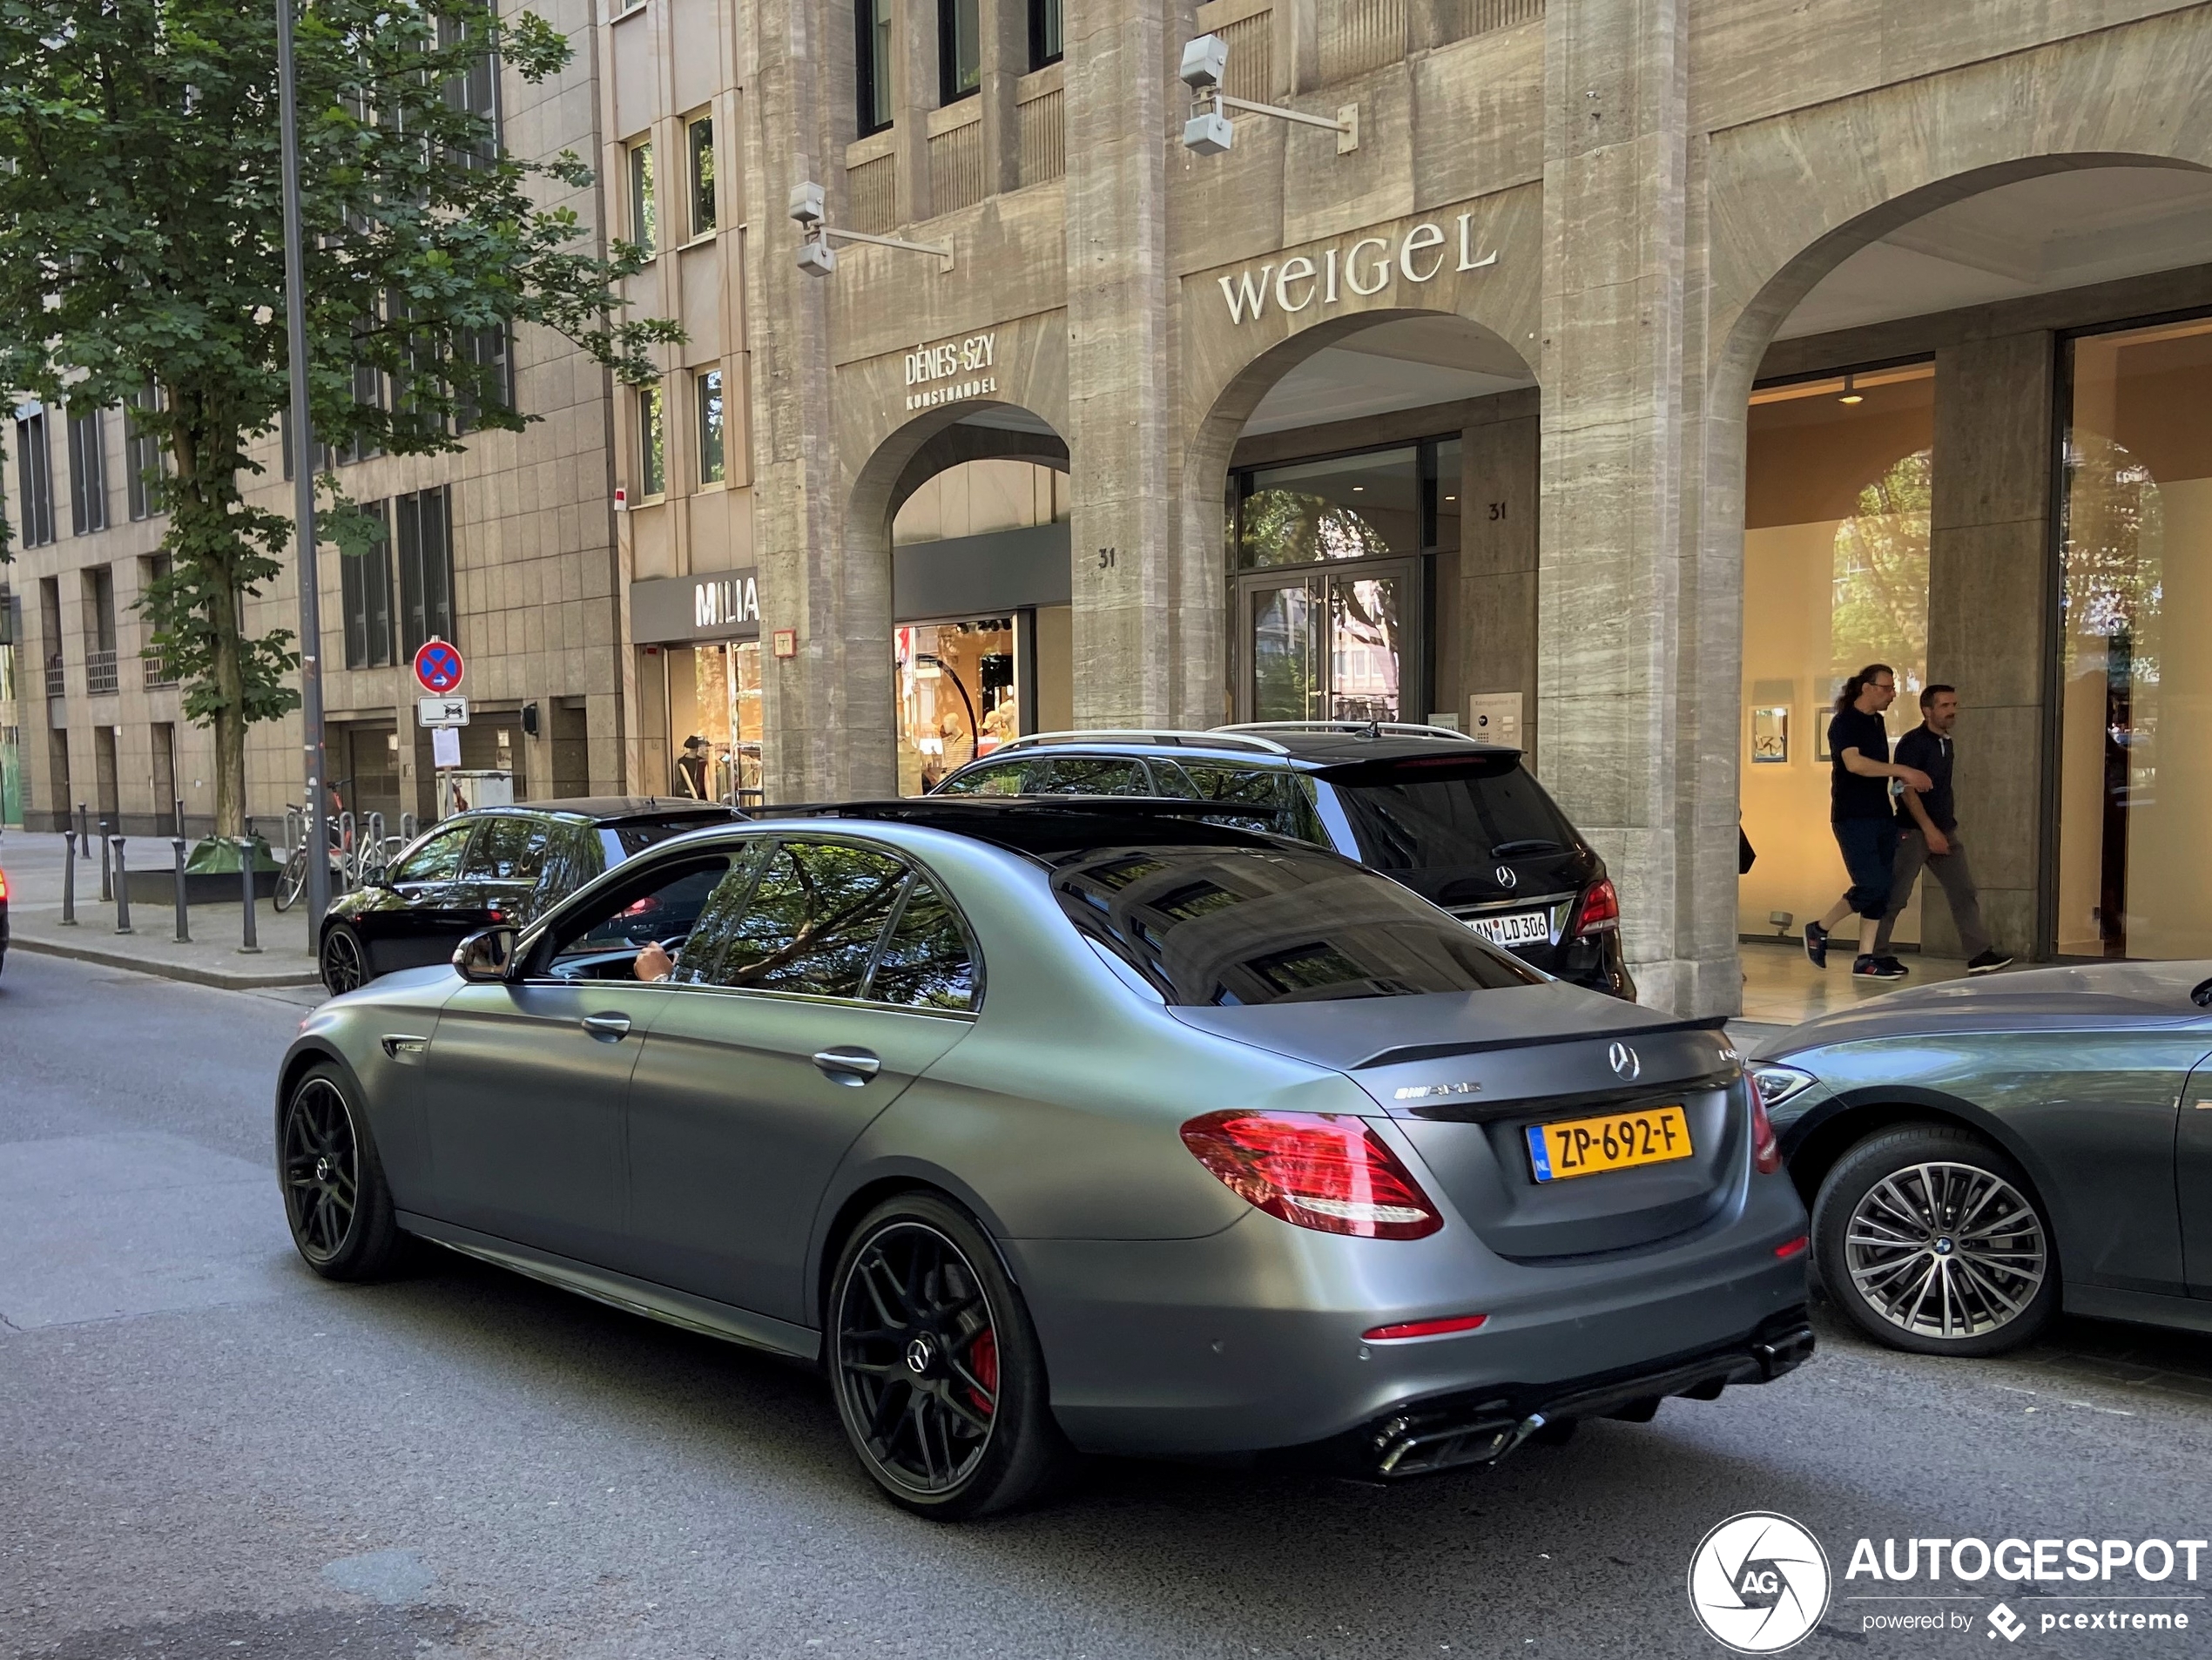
(1601, 909)
(1323, 1170)
(3, 885)
(1790, 1248)
(1423, 1328)
(1766, 1151)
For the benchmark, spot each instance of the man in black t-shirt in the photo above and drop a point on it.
(1928, 834)
(1859, 813)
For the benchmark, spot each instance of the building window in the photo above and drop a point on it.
(960, 49)
(476, 92)
(698, 145)
(641, 221)
(365, 582)
(34, 479)
(153, 570)
(652, 445)
(1046, 40)
(87, 473)
(146, 461)
(422, 530)
(100, 678)
(707, 392)
(872, 63)
(490, 372)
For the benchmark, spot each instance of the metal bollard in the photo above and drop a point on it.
(107, 862)
(68, 878)
(122, 887)
(177, 843)
(246, 879)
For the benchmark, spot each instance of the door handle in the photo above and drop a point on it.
(851, 1067)
(606, 1026)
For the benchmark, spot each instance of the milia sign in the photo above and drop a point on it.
(1363, 270)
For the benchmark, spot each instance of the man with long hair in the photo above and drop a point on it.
(1861, 814)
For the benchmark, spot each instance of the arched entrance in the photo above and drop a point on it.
(969, 507)
(1357, 583)
(1972, 449)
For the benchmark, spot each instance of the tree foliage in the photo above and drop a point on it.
(141, 245)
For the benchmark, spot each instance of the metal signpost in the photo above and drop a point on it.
(439, 671)
(303, 474)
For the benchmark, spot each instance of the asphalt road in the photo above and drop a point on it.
(206, 1452)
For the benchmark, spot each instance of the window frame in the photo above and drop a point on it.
(1048, 33)
(652, 410)
(364, 579)
(437, 609)
(641, 195)
(873, 86)
(700, 430)
(701, 187)
(146, 459)
(34, 479)
(87, 471)
(949, 17)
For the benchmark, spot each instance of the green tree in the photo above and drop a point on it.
(1880, 602)
(141, 245)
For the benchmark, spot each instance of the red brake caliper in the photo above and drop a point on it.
(983, 1361)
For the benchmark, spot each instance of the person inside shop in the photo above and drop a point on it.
(1928, 836)
(691, 769)
(998, 726)
(1860, 813)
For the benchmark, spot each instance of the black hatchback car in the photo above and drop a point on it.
(492, 865)
(1465, 825)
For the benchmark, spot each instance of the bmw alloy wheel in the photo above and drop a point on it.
(917, 1359)
(1946, 1250)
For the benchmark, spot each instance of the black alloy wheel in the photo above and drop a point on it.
(345, 960)
(335, 1196)
(1931, 1240)
(939, 1380)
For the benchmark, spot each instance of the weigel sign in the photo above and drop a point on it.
(1364, 269)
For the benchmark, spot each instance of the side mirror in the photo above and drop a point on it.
(485, 955)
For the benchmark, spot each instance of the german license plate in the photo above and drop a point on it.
(1520, 928)
(1617, 1141)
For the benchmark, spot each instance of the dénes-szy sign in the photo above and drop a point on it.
(1365, 269)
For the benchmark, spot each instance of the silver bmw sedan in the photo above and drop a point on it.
(1057, 1126)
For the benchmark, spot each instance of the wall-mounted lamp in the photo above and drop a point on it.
(1851, 393)
(1208, 133)
(816, 257)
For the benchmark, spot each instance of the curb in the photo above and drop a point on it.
(185, 971)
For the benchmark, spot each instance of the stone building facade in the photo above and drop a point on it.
(1644, 368)
(1600, 279)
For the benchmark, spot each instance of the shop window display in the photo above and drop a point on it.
(2135, 748)
(714, 694)
(956, 685)
(1838, 488)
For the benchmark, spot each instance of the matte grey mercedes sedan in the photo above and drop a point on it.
(1982, 1153)
(1061, 1126)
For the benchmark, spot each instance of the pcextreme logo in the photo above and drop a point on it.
(1758, 1583)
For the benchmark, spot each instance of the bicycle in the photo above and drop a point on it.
(346, 864)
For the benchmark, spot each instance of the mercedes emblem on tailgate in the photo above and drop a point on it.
(1625, 1062)
(1506, 877)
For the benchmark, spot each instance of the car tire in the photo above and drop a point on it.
(935, 1365)
(1889, 1249)
(344, 960)
(335, 1196)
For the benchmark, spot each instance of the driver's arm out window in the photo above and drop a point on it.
(602, 941)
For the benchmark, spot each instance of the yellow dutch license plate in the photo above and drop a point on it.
(1617, 1141)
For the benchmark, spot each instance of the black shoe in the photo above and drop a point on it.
(1988, 962)
(1816, 945)
(1877, 968)
(1896, 968)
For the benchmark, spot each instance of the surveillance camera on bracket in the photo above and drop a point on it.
(816, 257)
(1208, 134)
(1205, 59)
(807, 204)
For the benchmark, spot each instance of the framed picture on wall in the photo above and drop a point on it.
(1771, 735)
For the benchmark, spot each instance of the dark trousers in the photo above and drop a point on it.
(1869, 850)
(1952, 870)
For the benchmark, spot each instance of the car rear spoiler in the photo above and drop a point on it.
(1410, 1052)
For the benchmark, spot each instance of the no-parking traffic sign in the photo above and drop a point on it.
(438, 667)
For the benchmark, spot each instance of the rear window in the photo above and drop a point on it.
(632, 836)
(1230, 926)
(1426, 815)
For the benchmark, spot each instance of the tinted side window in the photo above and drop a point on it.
(630, 837)
(1277, 802)
(927, 962)
(1003, 779)
(511, 849)
(1409, 818)
(437, 859)
(665, 904)
(811, 925)
(1081, 775)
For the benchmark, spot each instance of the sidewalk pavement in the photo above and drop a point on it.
(34, 865)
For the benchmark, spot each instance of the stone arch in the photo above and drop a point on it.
(1209, 444)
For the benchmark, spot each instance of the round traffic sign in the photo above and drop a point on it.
(438, 667)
